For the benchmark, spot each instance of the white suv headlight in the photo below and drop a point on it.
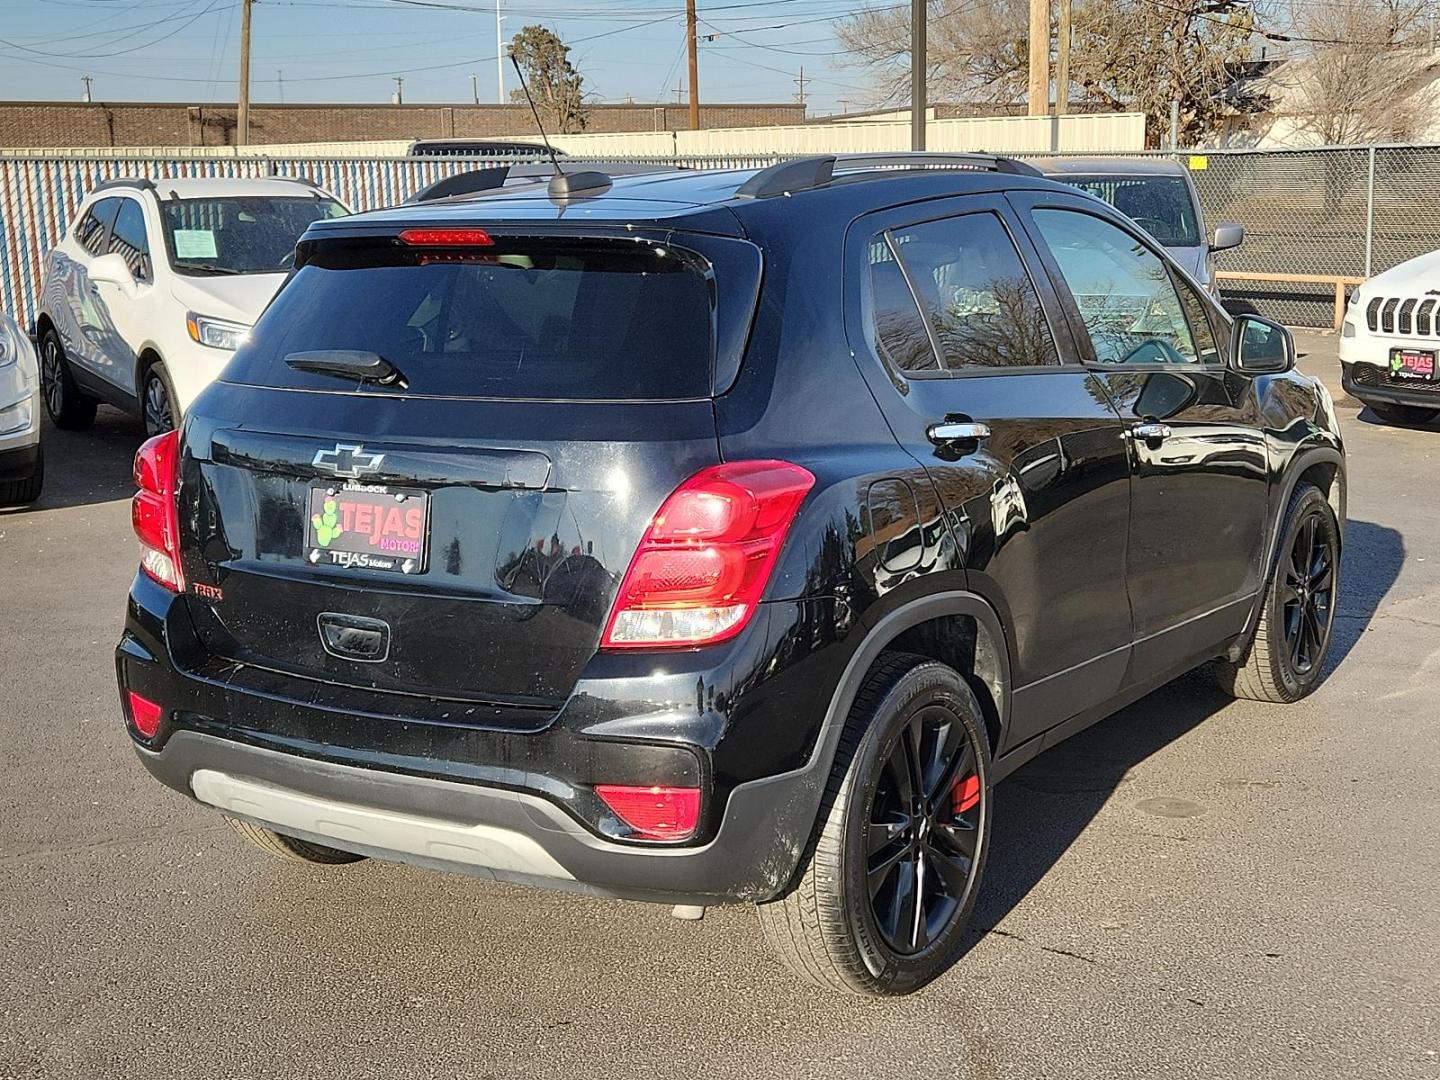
(216, 333)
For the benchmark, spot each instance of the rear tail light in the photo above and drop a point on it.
(145, 715)
(154, 511)
(703, 562)
(654, 813)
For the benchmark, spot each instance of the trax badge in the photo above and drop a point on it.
(348, 460)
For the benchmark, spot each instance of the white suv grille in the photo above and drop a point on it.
(1409, 317)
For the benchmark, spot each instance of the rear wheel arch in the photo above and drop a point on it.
(957, 628)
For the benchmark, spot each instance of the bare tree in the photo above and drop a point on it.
(1357, 81)
(1127, 54)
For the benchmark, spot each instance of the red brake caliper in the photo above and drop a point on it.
(965, 794)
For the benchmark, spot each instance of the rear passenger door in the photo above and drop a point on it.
(1196, 433)
(127, 315)
(86, 321)
(961, 338)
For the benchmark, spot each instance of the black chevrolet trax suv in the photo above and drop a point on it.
(716, 537)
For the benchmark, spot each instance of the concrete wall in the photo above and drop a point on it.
(105, 124)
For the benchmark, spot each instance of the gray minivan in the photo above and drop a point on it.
(1158, 195)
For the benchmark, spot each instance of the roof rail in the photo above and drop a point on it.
(144, 183)
(806, 173)
(494, 177)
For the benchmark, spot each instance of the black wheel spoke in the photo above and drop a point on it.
(960, 765)
(882, 866)
(898, 765)
(919, 925)
(950, 868)
(899, 918)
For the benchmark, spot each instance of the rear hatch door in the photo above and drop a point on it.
(427, 471)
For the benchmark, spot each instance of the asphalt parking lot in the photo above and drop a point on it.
(1194, 887)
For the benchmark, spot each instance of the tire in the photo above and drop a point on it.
(157, 400)
(291, 848)
(1271, 668)
(68, 407)
(26, 491)
(1402, 414)
(829, 927)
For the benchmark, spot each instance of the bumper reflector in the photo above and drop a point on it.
(654, 813)
(145, 715)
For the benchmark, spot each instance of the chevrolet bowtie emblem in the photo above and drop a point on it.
(348, 460)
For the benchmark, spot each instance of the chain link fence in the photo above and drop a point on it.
(1348, 211)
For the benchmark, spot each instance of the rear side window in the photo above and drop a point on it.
(898, 332)
(524, 318)
(975, 293)
(90, 233)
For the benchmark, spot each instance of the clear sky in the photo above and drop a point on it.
(347, 50)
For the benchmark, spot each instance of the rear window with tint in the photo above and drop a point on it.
(591, 320)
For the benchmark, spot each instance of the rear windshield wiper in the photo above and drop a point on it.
(205, 268)
(349, 364)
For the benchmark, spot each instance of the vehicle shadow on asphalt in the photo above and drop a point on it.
(1370, 564)
(1042, 808)
(90, 466)
(1367, 416)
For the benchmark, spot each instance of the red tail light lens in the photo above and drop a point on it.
(654, 813)
(154, 511)
(703, 563)
(446, 238)
(145, 715)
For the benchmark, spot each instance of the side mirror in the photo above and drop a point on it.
(1260, 347)
(112, 269)
(1227, 236)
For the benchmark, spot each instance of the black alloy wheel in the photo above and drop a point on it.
(159, 402)
(1285, 656)
(67, 406)
(880, 901)
(1307, 592)
(924, 831)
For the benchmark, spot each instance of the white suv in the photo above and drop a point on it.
(155, 285)
(22, 468)
(1391, 339)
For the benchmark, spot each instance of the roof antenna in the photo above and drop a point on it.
(563, 185)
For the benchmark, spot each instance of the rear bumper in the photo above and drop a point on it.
(482, 831)
(379, 777)
(1370, 382)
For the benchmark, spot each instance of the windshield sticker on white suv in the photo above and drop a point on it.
(194, 244)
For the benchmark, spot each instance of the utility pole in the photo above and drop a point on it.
(399, 96)
(242, 112)
(917, 74)
(801, 83)
(87, 80)
(499, 58)
(694, 65)
(1039, 57)
(280, 85)
(475, 88)
(1062, 60)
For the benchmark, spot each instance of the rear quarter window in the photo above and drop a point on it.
(524, 318)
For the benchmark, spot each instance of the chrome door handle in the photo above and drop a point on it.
(1150, 432)
(951, 433)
